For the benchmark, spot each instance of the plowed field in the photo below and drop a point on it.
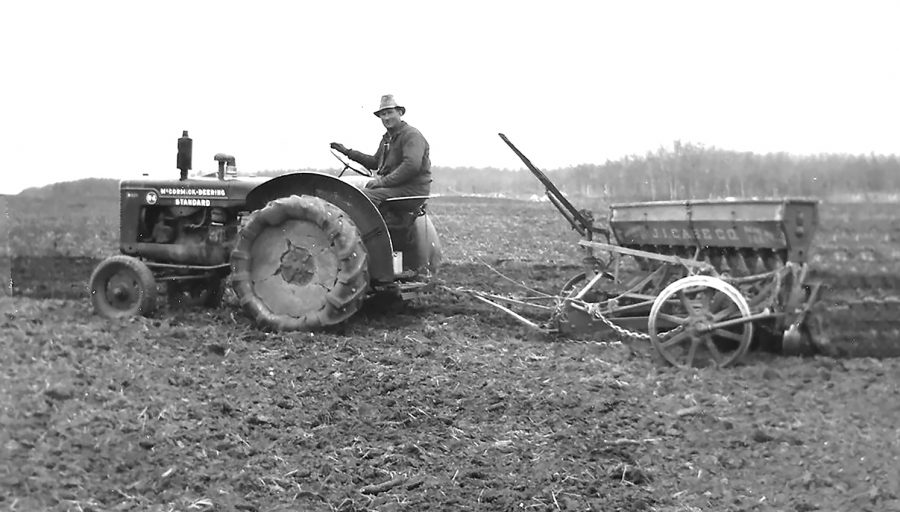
(436, 404)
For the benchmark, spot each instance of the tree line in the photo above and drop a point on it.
(683, 171)
(693, 171)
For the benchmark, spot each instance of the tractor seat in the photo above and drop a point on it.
(411, 204)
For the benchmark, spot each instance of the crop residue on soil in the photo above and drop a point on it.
(439, 404)
(436, 405)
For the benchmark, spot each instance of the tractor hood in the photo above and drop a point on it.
(198, 191)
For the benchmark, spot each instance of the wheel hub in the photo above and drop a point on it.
(698, 327)
(120, 291)
(701, 323)
(298, 267)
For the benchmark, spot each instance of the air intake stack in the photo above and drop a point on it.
(226, 165)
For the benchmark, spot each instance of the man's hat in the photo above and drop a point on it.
(387, 101)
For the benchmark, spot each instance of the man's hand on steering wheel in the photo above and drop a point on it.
(336, 148)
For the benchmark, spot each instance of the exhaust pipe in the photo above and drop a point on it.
(185, 153)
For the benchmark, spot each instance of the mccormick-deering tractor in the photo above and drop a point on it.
(303, 250)
(702, 279)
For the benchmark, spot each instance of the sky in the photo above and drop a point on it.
(105, 88)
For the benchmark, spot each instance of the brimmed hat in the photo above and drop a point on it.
(387, 101)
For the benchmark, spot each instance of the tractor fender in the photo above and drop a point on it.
(352, 201)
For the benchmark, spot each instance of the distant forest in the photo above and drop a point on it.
(691, 171)
(684, 171)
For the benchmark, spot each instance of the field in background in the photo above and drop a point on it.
(851, 235)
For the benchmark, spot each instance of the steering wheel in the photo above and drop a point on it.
(361, 171)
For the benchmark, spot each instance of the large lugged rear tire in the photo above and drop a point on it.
(300, 264)
(122, 286)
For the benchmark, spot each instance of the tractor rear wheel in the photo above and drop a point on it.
(300, 264)
(123, 286)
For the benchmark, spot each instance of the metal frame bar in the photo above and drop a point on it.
(153, 264)
(701, 265)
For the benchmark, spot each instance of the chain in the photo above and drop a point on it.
(595, 311)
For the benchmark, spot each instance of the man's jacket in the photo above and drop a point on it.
(402, 158)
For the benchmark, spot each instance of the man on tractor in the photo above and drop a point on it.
(401, 162)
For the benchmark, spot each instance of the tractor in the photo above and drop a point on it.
(301, 250)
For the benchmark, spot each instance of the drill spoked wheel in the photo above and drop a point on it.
(700, 321)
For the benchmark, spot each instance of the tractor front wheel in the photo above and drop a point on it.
(123, 286)
(300, 264)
